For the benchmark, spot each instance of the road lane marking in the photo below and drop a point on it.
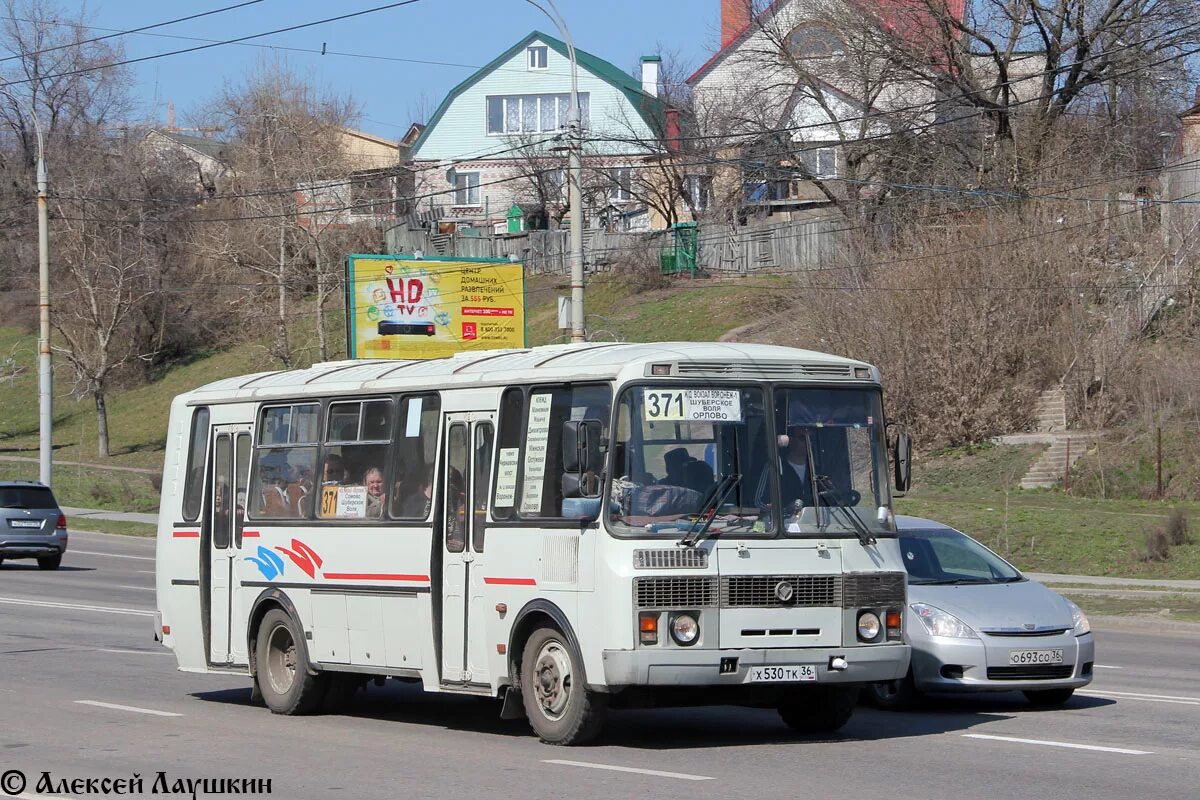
(1048, 743)
(1150, 698)
(110, 555)
(133, 652)
(134, 709)
(1105, 666)
(152, 572)
(18, 601)
(139, 588)
(614, 768)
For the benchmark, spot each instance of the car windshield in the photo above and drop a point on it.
(29, 497)
(945, 556)
(683, 453)
(831, 461)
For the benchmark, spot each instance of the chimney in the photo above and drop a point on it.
(736, 16)
(650, 69)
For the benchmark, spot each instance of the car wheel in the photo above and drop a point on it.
(282, 668)
(557, 702)
(1048, 698)
(898, 695)
(50, 562)
(819, 710)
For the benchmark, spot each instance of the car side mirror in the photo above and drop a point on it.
(902, 462)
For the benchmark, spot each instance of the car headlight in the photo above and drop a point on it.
(939, 623)
(684, 629)
(1079, 619)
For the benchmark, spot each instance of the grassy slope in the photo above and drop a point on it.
(1043, 531)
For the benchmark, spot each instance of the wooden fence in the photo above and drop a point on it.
(725, 249)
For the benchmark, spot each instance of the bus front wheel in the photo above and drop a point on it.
(282, 672)
(558, 704)
(819, 710)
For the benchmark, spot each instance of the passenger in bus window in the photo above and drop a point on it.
(795, 480)
(334, 471)
(276, 502)
(376, 497)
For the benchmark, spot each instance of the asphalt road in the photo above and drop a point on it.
(86, 693)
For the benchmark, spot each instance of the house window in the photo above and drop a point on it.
(537, 56)
(466, 188)
(809, 41)
(620, 184)
(820, 162)
(554, 185)
(699, 191)
(372, 193)
(532, 113)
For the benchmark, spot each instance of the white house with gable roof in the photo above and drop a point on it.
(499, 137)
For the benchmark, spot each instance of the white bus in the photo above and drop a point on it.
(569, 528)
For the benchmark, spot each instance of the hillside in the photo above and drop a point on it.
(690, 310)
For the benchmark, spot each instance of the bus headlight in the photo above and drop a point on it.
(685, 630)
(868, 626)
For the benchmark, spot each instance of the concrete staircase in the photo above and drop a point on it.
(1050, 428)
(1050, 413)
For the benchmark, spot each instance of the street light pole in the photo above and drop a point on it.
(574, 176)
(45, 370)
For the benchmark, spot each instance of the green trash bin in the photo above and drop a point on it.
(680, 257)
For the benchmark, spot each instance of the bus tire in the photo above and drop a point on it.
(819, 710)
(283, 675)
(554, 690)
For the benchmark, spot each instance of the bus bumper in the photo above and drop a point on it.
(687, 667)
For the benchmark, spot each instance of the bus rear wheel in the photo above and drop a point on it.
(819, 710)
(557, 702)
(282, 672)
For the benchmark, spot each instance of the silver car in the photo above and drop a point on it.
(976, 624)
(31, 523)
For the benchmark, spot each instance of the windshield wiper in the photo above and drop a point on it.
(951, 581)
(15, 505)
(709, 512)
(861, 531)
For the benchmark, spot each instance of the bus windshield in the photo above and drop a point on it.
(832, 461)
(681, 449)
(684, 454)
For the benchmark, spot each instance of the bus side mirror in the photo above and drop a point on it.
(581, 446)
(902, 461)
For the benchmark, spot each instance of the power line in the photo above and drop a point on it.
(118, 32)
(214, 44)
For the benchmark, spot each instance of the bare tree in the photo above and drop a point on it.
(286, 135)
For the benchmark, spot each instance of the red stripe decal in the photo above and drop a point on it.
(250, 534)
(186, 534)
(510, 581)
(374, 576)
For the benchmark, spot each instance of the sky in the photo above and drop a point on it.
(391, 94)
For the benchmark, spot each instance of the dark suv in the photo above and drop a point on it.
(31, 523)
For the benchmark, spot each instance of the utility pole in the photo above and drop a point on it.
(45, 370)
(574, 176)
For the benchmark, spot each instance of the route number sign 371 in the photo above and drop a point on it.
(692, 405)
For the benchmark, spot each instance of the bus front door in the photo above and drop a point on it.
(465, 484)
(229, 466)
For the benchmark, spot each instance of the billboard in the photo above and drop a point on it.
(398, 306)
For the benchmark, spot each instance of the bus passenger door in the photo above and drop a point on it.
(465, 482)
(226, 507)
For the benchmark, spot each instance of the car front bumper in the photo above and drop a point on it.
(678, 666)
(942, 664)
(34, 545)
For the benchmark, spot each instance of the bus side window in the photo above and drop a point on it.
(413, 458)
(282, 478)
(193, 487)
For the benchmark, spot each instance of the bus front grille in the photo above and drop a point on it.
(675, 592)
(781, 591)
(875, 589)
